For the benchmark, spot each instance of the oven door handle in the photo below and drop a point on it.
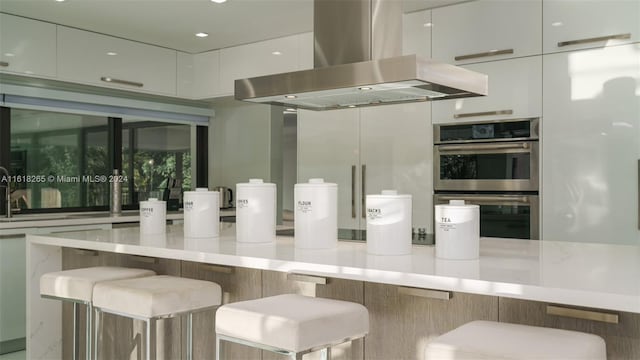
(474, 147)
(486, 198)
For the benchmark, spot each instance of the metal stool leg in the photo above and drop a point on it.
(75, 331)
(88, 331)
(98, 313)
(151, 332)
(190, 336)
(217, 347)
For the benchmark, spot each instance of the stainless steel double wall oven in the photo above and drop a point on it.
(494, 164)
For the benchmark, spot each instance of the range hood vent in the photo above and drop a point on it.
(361, 69)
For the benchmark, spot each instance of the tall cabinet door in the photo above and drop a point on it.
(397, 153)
(591, 145)
(328, 147)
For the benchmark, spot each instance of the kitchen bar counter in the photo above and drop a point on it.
(580, 274)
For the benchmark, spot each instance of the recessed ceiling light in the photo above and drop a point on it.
(276, 53)
(218, 1)
(427, 24)
(290, 109)
(202, 34)
(557, 23)
(112, 53)
(9, 54)
(365, 88)
(351, 106)
(290, 96)
(59, 0)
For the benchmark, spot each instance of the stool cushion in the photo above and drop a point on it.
(292, 322)
(494, 340)
(156, 296)
(77, 284)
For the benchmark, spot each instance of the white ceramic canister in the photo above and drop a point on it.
(255, 211)
(153, 216)
(316, 215)
(389, 223)
(457, 231)
(201, 213)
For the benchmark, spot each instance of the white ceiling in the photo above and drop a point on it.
(173, 23)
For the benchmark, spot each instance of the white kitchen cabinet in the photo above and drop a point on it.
(328, 148)
(591, 145)
(366, 151)
(515, 91)
(199, 75)
(27, 47)
(487, 30)
(91, 58)
(262, 58)
(416, 33)
(570, 25)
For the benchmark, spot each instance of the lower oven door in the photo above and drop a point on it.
(502, 215)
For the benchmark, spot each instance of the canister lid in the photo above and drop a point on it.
(389, 194)
(255, 183)
(456, 202)
(316, 182)
(201, 189)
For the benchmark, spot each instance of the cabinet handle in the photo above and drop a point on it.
(426, 293)
(319, 280)
(582, 314)
(476, 147)
(638, 194)
(484, 113)
(217, 268)
(144, 259)
(485, 198)
(353, 191)
(483, 54)
(595, 39)
(121, 82)
(85, 252)
(4, 63)
(364, 191)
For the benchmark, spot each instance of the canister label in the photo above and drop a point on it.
(242, 203)
(188, 205)
(146, 212)
(374, 213)
(305, 206)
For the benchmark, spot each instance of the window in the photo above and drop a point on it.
(156, 158)
(55, 158)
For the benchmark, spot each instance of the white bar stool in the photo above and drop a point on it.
(153, 298)
(290, 324)
(494, 340)
(77, 286)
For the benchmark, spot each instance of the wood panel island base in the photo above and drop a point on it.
(411, 299)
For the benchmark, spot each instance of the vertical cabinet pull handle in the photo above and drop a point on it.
(595, 39)
(353, 191)
(364, 191)
(638, 194)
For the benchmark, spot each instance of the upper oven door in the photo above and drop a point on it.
(498, 166)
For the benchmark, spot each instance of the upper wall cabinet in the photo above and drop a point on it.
(416, 33)
(199, 75)
(487, 30)
(95, 59)
(515, 91)
(27, 47)
(571, 25)
(274, 56)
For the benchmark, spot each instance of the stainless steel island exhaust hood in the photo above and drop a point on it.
(356, 48)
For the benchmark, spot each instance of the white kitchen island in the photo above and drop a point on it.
(578, 274)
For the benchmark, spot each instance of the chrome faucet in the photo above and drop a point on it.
(6, 184)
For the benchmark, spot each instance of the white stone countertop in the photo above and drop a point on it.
(582, 274)
(22, 221)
